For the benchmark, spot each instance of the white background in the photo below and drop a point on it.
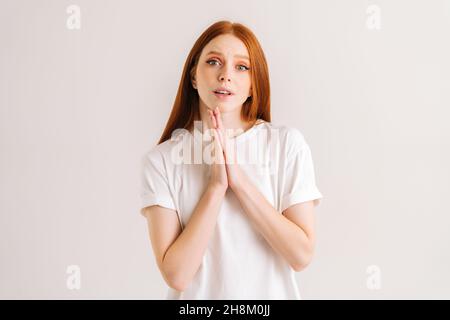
(79, 108)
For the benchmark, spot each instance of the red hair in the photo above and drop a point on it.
(185, 109)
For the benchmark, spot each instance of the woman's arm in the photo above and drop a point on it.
(179, 253)
(291, 234)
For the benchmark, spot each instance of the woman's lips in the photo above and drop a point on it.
(223, 96)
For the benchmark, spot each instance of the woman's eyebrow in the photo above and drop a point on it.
(236, 56)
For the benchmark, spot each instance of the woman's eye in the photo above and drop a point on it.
(240, 67)
(208, 62)
(244, 68)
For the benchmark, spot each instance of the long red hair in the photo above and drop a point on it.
(185, 109)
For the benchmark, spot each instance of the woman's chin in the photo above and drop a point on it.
(223, 107)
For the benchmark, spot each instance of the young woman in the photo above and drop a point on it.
(229, 228)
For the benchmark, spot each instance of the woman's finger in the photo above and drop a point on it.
(213, 118)
(220, 126)
(218, 150)
(220, 136)
(218, 118)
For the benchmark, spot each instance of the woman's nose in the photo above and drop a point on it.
(225, 74)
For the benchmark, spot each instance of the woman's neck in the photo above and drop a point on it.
(230, 120)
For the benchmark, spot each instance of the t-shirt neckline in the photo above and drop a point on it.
(240, 136)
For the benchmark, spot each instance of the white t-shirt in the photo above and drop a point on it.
(238, 262)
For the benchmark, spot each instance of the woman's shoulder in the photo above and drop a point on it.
(164, 149)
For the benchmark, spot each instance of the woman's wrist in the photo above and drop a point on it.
(217, 189)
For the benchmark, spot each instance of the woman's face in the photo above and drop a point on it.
(223, 63)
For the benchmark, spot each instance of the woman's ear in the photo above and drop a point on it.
(193, 81)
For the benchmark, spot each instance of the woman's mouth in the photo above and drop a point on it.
(223, 94)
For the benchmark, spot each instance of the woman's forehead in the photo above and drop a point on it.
(227, 45)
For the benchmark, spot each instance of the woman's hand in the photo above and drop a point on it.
(233, 170)
(218, 178)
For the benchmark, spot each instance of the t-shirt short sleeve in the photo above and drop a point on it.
(155, 188)
(300, 183)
